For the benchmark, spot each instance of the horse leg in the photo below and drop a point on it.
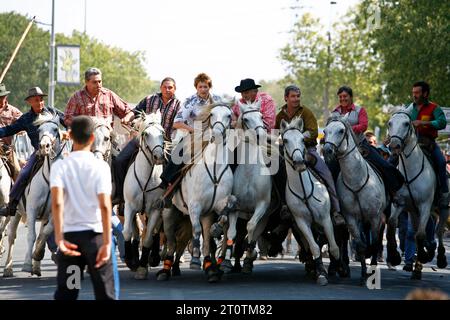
(183, 235)
(441, 258)
(155, 257)
(194, 214)
(170, 222)
(375, 228)
(255, 227)
(360, 247)
(240, 243)
(229, 241)
(393, 256)
(209, 263)
(420, 235)
(142, 271)
(39, 251)
(305, 228)
(12, 234)
(31, 238)
(128, 226)
(3, 232)
(329, 233)
(417, 272)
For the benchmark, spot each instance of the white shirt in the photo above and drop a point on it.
(83, 177)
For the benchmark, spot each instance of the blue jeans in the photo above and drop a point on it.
(115, 269)
(410, 243)
(117, 232)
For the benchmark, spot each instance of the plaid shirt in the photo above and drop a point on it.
(154, 103)
(268, 108)
(8, 115)
(105, 105)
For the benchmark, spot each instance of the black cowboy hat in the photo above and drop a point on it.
(246, 84)
(35, 92)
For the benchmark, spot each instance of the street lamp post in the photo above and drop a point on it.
(51, 85)
(326, 99)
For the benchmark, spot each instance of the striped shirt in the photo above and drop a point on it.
(268, 108)
(8, 115)
(153, 103)
(105, 105)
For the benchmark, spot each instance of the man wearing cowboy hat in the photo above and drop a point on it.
(8, 115)
(35, 99)
(249, 94)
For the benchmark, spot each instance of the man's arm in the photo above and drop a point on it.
(104, 252)
(13, 128)
(71, 110)
(65, 247)
(310, 124)
(121, 109)
(268, 109)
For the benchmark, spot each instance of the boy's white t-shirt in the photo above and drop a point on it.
(83, 177)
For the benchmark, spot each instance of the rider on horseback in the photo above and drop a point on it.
(292, 109)
(427, 117)
(26, 123)
(357, 117)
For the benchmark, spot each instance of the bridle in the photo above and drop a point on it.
(290, 157)
(106, 155)
(244, 125)
(337, 146)
(408, 134)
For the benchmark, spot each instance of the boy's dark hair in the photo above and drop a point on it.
(290, 88)
(82, 128)
(425, 86)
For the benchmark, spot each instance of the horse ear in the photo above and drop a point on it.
(258, 104)
(299, 124)
(283, 125)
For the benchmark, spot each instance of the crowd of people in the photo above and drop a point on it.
(81, 187)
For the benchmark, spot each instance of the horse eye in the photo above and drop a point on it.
(106, 138)
(245, 120)
(405, 124)
(285, 141)
(341, 131)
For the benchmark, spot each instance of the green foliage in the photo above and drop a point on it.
(275, 89)
(413, 42)
(123, 72)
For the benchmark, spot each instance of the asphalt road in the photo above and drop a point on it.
(281, 278)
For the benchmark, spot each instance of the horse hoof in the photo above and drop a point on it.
(332, 269)
(344, 272)
(322, 280)
(36, 271)
(226, 266)
(163, 275)
(394, 258)
(422, 256)
(154, 260)
(416, 275)
(131, 264)
(176, 271)
(195, 264)
(27, 268)
(441, 258)
(8, 273)
(236, 268)
(141, 273)
(247, 268)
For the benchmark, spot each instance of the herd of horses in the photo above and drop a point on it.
(220, 213)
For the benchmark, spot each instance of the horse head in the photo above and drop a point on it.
(48, 128)
(338, 135)
(251, 119)
(293, 143)
(219, 120)
(103, 139)
(400, 130)
(151, 135)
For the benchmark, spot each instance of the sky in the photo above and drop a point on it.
(227, 39)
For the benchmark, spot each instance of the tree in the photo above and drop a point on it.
(413, 42)
(123, 72)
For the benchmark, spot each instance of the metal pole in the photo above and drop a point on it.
(85, 14)
(16, 49)
(326, 98)
(51, 85)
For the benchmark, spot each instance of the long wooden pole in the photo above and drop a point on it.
(17, 49)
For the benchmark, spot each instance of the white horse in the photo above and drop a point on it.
(205, 189)
(306, 197)
(103, 139)
(141, 190)
(418, 192)
(5, 186)
(362, 195)
(252, 184)
(36, 205)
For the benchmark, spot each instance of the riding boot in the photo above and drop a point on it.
(10, 209)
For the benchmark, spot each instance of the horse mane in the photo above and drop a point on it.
(46, 116)
(101, 121)
(253, 105)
